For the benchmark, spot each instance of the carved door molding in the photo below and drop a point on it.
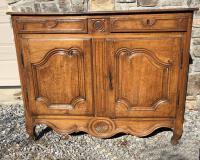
(60, 76)
(144, 76)
(45, 64)
(128, 55)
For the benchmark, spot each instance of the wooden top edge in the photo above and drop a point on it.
(156, 10)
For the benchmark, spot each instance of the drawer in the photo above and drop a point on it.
(52, 25)
(150, 23)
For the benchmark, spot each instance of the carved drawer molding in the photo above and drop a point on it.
(52, 25)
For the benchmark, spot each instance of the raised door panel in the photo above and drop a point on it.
(144, 76)
(59, 72)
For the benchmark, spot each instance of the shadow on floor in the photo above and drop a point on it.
(48, 129)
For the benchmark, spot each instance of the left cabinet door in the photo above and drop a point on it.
(58, 74)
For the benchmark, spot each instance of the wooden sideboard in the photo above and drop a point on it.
(104, 72)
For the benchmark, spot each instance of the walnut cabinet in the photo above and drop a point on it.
(104, 72)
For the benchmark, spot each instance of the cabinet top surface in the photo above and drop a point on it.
(150, 10)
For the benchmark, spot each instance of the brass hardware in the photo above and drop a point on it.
(22, 59)
(51, 24)
(148, 22)
(110, 80)
(181, 58)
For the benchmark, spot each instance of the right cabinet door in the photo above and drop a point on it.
(143, 75)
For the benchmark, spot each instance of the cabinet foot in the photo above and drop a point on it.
(31, 132)
(177, 133)
(174, 140)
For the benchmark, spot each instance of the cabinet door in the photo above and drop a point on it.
(143, 75)
(59, 75)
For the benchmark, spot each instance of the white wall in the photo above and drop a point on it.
(8, 64)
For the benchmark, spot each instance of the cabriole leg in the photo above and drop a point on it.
(176, 136)
(30, 126)
(31, 132)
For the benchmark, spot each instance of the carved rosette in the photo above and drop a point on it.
(101, 127)
(98, 25)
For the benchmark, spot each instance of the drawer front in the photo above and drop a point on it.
(52, 25)
(139, 23)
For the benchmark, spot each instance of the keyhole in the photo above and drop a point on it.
(148, 22)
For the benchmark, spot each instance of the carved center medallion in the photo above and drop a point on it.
(101, 127)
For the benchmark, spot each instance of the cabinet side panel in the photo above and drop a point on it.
(182, 88)
(23, 78)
